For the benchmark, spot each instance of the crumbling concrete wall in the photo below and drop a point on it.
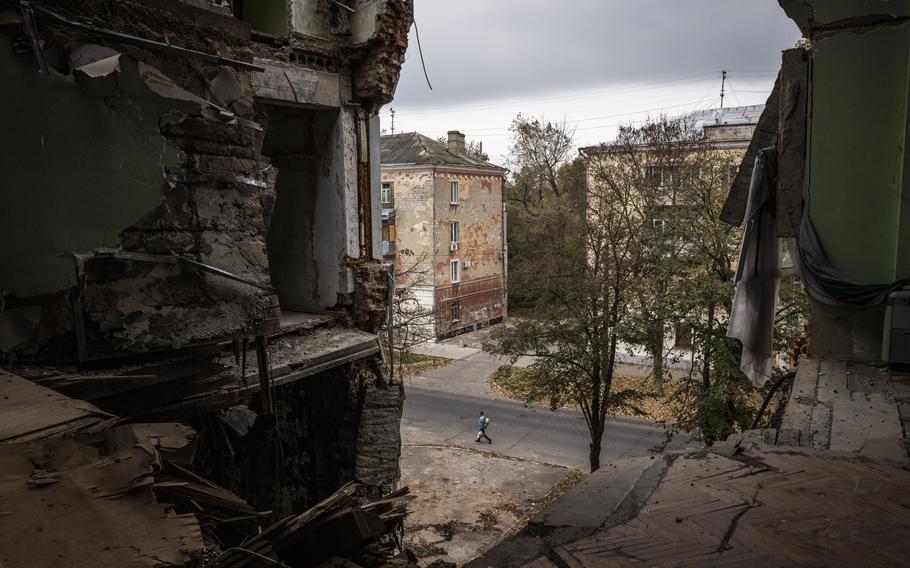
(154, 188)
(328, 429)
(162, 155)
(371, 295)
(378, 61)
(213, 214)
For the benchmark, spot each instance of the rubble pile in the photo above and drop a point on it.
(82, 488)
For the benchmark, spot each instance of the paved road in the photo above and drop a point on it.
(537, 433)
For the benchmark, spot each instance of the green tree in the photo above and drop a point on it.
(586, 262)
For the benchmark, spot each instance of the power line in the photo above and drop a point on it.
(595, 93)
(420, 51)
(599, 92)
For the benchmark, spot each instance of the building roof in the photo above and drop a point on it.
(729, 116)
(412, 148)
(714, 119)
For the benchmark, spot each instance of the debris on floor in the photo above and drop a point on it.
(81, 488)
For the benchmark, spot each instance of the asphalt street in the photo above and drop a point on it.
(528, 432)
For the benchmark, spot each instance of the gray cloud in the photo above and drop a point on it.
(487, 49)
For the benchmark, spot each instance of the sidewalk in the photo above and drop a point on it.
(828, 491)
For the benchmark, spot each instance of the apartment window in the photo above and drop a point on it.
(454, 231)
(661, 175)
(455, 268)
(453, 192)
(456, 310)
(385, 194)
(659, 223)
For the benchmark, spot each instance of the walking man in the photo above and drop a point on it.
(482, 428)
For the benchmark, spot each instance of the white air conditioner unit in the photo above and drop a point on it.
(453, 246)
(466, 264)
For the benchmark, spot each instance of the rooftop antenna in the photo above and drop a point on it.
(392, 112)
(723, 79)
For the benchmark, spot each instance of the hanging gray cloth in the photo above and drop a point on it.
(829, 285)
(757, 272)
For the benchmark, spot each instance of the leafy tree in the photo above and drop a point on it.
(619, 249)
(587, 260)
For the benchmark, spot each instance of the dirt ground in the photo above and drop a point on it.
(467, 499)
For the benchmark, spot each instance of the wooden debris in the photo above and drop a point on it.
(86, 502)
(335, 527)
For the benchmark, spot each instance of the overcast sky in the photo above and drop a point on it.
(593, 63)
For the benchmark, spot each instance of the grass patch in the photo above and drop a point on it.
(664, 407)
(415, 363)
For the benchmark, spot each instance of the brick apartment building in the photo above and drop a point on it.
(444, 224)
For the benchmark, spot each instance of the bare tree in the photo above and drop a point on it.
(588, 263)
(539, 150)
(410, 323)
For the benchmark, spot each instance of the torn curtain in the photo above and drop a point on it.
(757, 272)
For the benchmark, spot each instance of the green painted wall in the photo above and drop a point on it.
(857, 148)
(856, 192)
(74, 171)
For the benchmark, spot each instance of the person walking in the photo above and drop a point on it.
(482, 428)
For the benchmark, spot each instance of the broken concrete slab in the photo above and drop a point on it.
(608, 487)
(759, 508)
(33, 412)
(867, 424)
(68, 503)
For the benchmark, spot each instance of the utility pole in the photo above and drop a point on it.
(723, 79)
(392, 112)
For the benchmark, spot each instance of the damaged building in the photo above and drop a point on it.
(444, 223)
(190, 211)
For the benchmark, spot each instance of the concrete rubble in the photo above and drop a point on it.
(191, 286)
